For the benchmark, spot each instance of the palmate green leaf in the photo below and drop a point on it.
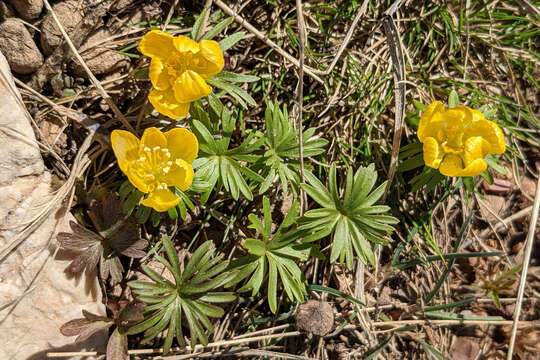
(350, 216)
(189, 297)
(275, 257)
(219, 165)
(282, 155)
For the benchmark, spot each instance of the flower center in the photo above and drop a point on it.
(178, 63)
(152, 167)
(451, 138)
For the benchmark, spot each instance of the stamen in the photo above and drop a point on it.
(156, 148)
(146, 149)
(166, 169)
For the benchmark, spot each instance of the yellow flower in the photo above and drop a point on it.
(178, 70)
(457, 140)
(157, 161)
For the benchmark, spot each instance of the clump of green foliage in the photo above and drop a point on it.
(190, 295)
(352, 218)
(274, 253)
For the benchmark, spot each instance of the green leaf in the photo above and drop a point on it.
(173, 258)
(197, 26)
(272, 285)
(217, 29)
(233, 77)
(453, 99)
(255, 247)
(335, 292)
(450, 256)
(231, 40)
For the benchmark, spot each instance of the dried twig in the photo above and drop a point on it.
(224, 343)
(264, 38)
(300, 94)
(526, 259)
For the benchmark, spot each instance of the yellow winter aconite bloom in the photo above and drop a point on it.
(178, 70)
(157, 161)
(457, 140)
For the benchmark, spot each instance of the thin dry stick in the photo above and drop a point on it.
(93, 79)
(300, 94)
(169, 15)
(526, 259)
(297, 333)
(187, 348)
(505, 222)
(467, 47)
(309, 70)
(264, 38)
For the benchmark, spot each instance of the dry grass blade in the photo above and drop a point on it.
(396, 52)
(92, 77)
(300, 94)
(526, 259)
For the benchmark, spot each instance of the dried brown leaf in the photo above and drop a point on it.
(117, 346)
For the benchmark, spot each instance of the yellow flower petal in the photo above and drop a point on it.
(433, 153)
(166, 104)
(190, 86)
(161, 200)
(182, 144)
(125, 146)
(157, 44)
(452, 165)
(158, 75)
(152, 137)
(185, 44)
(136, 179)
(475, 148)
(491, 132)
(209, 60)
(180, 175)
(477, 115)
(477, 167)
(435, 107)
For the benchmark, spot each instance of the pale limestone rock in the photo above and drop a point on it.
(31, 328)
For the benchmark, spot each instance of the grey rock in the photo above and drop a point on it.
(70, 14)
(98, 58)
(18, 47)
(28, 9)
